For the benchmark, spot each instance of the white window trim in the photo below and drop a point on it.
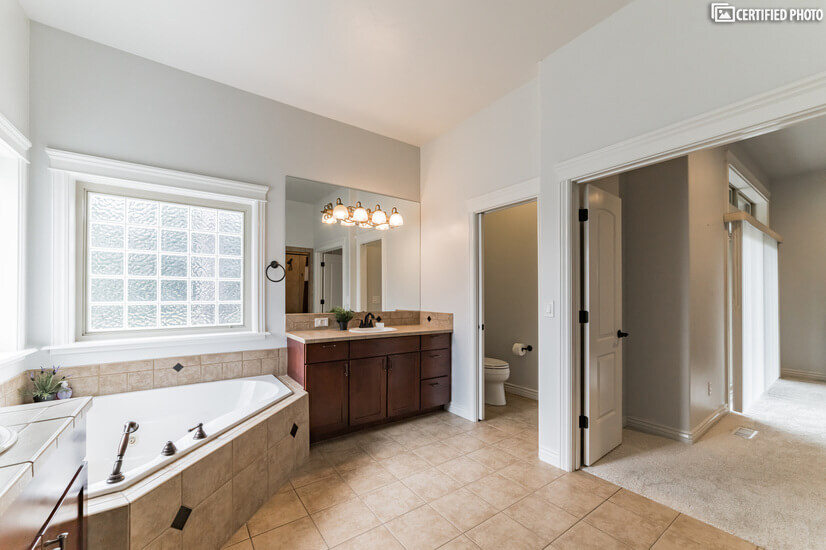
(15, 144)
(68, 169)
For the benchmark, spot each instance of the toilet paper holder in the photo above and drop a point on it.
(527, 348)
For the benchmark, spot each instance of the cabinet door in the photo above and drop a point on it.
(402, 383)
(327, 386)
(368, 390)
(67, 528)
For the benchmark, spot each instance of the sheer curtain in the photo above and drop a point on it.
(755, 339)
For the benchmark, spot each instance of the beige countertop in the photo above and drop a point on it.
(317, 336)
(38, 427)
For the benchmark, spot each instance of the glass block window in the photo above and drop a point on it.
(158, 265)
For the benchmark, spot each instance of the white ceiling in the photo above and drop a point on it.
(408, 69)
(793, 151)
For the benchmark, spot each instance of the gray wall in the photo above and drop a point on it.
(511, 288)
(656, 296)
(708, 239)
(93, 99)
(14, 64)
(797, 214)
(674, 247)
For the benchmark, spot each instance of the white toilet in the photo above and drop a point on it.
(497, 373)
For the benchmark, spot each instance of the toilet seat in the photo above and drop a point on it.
(491, 363)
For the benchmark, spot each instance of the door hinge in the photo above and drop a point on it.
(583, 214)
(583, 317)
(322, 301)
(583, 421)
(322, 264)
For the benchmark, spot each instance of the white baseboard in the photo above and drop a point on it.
(458, 410)
(804, 374)
(522, 390)
(549, 456)
(657, 429)
(706, 424)
(673, 433)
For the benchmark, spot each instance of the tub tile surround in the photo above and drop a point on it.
(428, 499)
(223, 483)
(306, 321)
(128, 376)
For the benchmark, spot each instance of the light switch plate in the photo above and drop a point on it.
(322, 322)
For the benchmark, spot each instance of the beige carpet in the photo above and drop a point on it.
(770, 490)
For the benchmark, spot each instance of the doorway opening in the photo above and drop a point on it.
(711, 265)
(371, 275)
(331, 270)
(508, 306)
(299, 280)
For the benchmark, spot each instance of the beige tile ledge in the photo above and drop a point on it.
(316, 336)
(40, 427)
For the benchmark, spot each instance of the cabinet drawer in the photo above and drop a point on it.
(383, 346)
(435, 363)
(435, 392)
(435, 341)
(328, 351)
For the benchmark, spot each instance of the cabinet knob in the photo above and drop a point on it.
(56, 542)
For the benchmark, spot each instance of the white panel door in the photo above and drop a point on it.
(332, 280)
(603, 343)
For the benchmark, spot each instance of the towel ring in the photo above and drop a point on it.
(275, 265)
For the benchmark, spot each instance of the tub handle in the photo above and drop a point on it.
(199, 431)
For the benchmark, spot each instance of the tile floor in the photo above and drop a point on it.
(440, 481)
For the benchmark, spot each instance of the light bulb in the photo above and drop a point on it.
(360, 213)
(340, 211)
(396, 219)
(327, 218)
(379, 217)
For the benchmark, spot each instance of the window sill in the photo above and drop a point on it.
(15, 356)
(155, 342)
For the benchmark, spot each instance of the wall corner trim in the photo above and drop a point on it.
(706, 424)
(523, 391)
(551, 457)
(459, 410)
(684, 436)
(14, 138)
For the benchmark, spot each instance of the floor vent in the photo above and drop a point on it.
(745, 433)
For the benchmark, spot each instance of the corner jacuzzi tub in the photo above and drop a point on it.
(167, 414)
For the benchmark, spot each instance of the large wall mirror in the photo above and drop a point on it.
(350, 248)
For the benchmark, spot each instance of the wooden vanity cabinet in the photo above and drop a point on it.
(368, 390)
(355, 383)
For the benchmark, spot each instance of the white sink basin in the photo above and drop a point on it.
(371, 330)
(7, 439)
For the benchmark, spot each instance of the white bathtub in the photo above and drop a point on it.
(165, 415)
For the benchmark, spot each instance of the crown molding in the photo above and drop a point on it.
(757, 115)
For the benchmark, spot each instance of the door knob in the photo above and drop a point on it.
(621, 334)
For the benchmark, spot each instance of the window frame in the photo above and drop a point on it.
(71, 170)
(82, 330)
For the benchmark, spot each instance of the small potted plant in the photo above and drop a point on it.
(46, 384)
(343, 316)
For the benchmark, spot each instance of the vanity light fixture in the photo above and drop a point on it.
(357, 215)
(379, 217)
(396, 219)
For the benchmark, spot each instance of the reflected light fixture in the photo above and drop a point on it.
(360, 213)
(340, 212)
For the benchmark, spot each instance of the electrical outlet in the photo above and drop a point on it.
(322, 322)
(709, 388)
